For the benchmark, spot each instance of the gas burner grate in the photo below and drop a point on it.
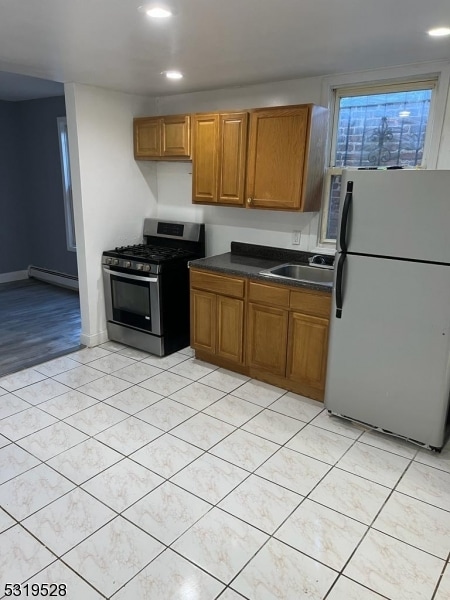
(151, 252)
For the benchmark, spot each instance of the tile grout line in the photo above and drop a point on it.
(270, 536)
(249, 473)
(168, 431)
(439, 581)
(304, 498)
(119, 514)
(57, 557)
(370, 526)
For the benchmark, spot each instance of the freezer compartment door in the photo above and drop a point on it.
(404, 214)
(388, 356)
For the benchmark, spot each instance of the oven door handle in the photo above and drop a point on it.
(134, 277)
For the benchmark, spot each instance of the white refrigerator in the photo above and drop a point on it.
(389, 346)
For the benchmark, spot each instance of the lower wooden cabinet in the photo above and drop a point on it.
(217, 319)
(307, 350)
(230, 328)
(203, 321)
(267, 331)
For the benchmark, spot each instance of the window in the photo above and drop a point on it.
(67, 183)
(374, 127)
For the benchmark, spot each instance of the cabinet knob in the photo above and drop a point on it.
(249, 200)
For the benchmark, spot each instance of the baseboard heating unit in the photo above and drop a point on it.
(54, 277)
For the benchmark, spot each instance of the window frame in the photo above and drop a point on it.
(66, 183)
(335, 88)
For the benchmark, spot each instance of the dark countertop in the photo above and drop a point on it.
(247, 260)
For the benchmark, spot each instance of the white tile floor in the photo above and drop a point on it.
(128, 476)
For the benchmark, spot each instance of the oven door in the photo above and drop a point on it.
(133, 300)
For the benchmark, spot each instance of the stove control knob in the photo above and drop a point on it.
(139, 267)
(146, 267)
(115, 261)
(108, 261)
(127, 263)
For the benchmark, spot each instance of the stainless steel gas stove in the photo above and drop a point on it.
(147, 286)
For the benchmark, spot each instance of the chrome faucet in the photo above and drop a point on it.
(319, 260)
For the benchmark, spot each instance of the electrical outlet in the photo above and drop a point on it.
(296, 238)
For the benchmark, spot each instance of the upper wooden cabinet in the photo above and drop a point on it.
(205, 133)
(264, 158)
(286, 155)
(162, 138)
(147, 138)
(270, 158)
(218, 158)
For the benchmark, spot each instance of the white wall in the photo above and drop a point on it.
(227, 224)
(112, 193)
(275, 227)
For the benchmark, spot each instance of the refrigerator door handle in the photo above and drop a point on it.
(339, 275)
(344, 218)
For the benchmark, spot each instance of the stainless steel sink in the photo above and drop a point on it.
(301, 273)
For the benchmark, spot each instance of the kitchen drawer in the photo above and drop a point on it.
(312, 303)
(219, 284)
(268, 294)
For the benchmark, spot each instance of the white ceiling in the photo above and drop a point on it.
(215, 43)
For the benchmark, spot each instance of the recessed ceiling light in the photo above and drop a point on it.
(404, 113)
(439, 31)
(173, 74)
(156, 11)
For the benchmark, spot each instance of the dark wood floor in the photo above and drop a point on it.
(38, 322)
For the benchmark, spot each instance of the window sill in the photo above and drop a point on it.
(325, 249)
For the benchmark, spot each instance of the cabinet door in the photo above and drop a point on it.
(267, 329)
(307, 356)
(147, 137)
(232, 155)
(176, 136)
(205, 133)
(230, 325)
(203, 321)
(276, 157)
